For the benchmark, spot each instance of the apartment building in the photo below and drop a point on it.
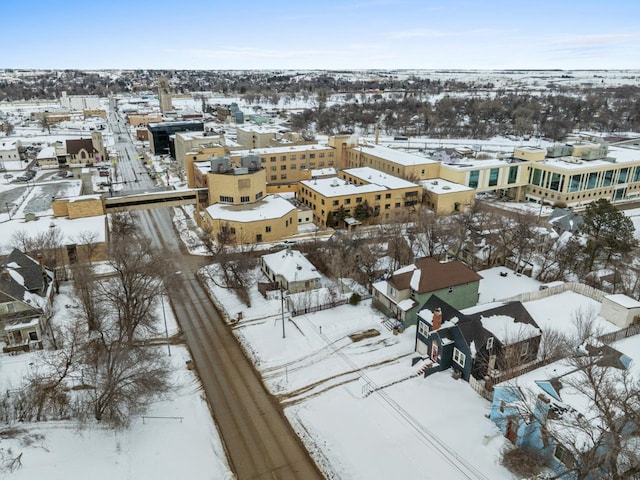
(359, 193)
(291, 164)
(394, 162)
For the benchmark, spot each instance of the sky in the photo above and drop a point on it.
(332, 34)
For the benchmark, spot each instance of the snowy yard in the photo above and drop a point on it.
(349, 390)
(177, 439)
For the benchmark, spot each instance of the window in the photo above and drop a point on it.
(335, 203)
(358, 199)
(397, 205)
(33, 336)
(312, 155)
(388, 195)
(259, 195)
(245, 199)
(473, 178)
(274, 168)
(493, 177)
(347, 201)
(11, 307)
(489, 343)
(608, 178)
(272, 159)
(622, 176)
(303, 156)
(524, 349)
(423, 329)
(267, 228)
(274, 177)
(387, 206)
(320, 155)
(259, 237)
(293, 157)
(574, 182)
(592, 180)
(226, 199)
(283, 158)
(293, 166)
(513, 174)
(377, 197)
(563, 455)
(283, 167)
(458, 357)
(283, 176)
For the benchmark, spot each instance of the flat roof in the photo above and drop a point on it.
(270, 207)
(285, 149)
(337, 187)
(371, 175)
(395, 156)
(440, 186)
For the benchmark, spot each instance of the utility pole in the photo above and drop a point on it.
(166, 330)
(282, 309)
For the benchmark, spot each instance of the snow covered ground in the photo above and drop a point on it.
(330, 382)
(176, 439)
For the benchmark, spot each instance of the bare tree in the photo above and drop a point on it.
(89, 242)
(600, 440)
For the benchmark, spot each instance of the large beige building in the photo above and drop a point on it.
(394, 162)
(360, 193)
(577, 180)
(269, 219)
(291, 164)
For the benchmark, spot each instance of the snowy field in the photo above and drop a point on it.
(180, 442)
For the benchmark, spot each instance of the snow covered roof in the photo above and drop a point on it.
(46, 152)
(507, 329)
(371, 175)
(337, 187)
(292, 265)
(395, 156)
(441, 186)
(269, 208)
(71, 230)
(623, 300)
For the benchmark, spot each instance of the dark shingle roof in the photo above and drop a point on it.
(435, 275)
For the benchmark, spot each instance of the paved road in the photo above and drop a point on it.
(259, 441)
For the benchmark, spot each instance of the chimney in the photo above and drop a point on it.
(437, 319)
(6, 275)
(43, 271)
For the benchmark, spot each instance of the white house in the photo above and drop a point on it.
(291, 270)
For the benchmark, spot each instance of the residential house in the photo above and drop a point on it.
(556, 412)
(477, 341)
(405, 292)
(26, 295)
(565, 220)
(291, 270)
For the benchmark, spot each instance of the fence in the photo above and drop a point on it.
(576, 287)
(317, 308)
(620, 334)
(510, 374)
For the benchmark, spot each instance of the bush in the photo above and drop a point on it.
(522, 462)
(355, 299)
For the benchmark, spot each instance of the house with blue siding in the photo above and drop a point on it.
(557, 412)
